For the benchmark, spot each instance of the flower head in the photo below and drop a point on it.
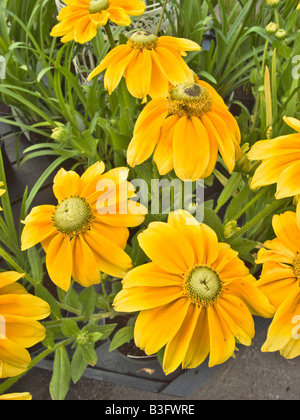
(87, 231)
(186, 130)
(195, 297)
(80, 19)
(280, 282)
(19, 326)
(280, 163)
(148, 63)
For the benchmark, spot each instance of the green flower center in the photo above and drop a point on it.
(73, 216)
(297, 266)
(97, 6)
(202, 286)
(143, 39)
(190, 100)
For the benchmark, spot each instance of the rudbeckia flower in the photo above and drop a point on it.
(195, 297)
(280, 163)
(22, 396)
(80, 19)
(148, 63)
(280, 282)
(186, 130)
(19, 326)
(87, 231)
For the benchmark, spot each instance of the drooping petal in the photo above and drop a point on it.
(59, 261)
(154, 328)
(222, 341)
(176, 348)
(85, 268)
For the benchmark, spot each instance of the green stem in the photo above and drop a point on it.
(93, 318)
(9, 382)
(161, 17)
(110, 35)
(266, 212)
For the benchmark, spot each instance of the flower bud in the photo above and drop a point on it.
(273, 3)
(271, 28)
(231, 228)
(281, 34)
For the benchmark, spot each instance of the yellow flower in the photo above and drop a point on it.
(80, 19)
(196, 296)
(88, 230)
(24, 396)
(186, 130)
(148, 63)
(280, 163)
(280, 282)
(19, 326)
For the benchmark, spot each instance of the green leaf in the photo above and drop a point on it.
(70, 328)
(87, 300)
(89, 353)
(44, 294)
(78, 365)
(60, 381)
(124, 335)
(242, 245)
(214, 222)
(36, 265)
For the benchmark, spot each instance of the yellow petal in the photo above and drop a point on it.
(85, 268)
(59, 261)
(142, 298)
(292, 122)
(284, 324)
(176, 348)
(167, 247)
(222, 341)
(150, 275)
(199, 346)
(66, 184)
(154, 328)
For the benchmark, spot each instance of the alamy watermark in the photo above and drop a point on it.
(157, 196)
(296, 68)
(296, 330)
(2, 328)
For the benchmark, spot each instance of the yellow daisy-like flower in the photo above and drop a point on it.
(148, 63)
(186, 130)
(196, 296)
(280, 282)
(80, 19)
(22, 396)
(280, 163)
(19, 326)
(87, 231)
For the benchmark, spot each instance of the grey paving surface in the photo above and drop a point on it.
(252, 375)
